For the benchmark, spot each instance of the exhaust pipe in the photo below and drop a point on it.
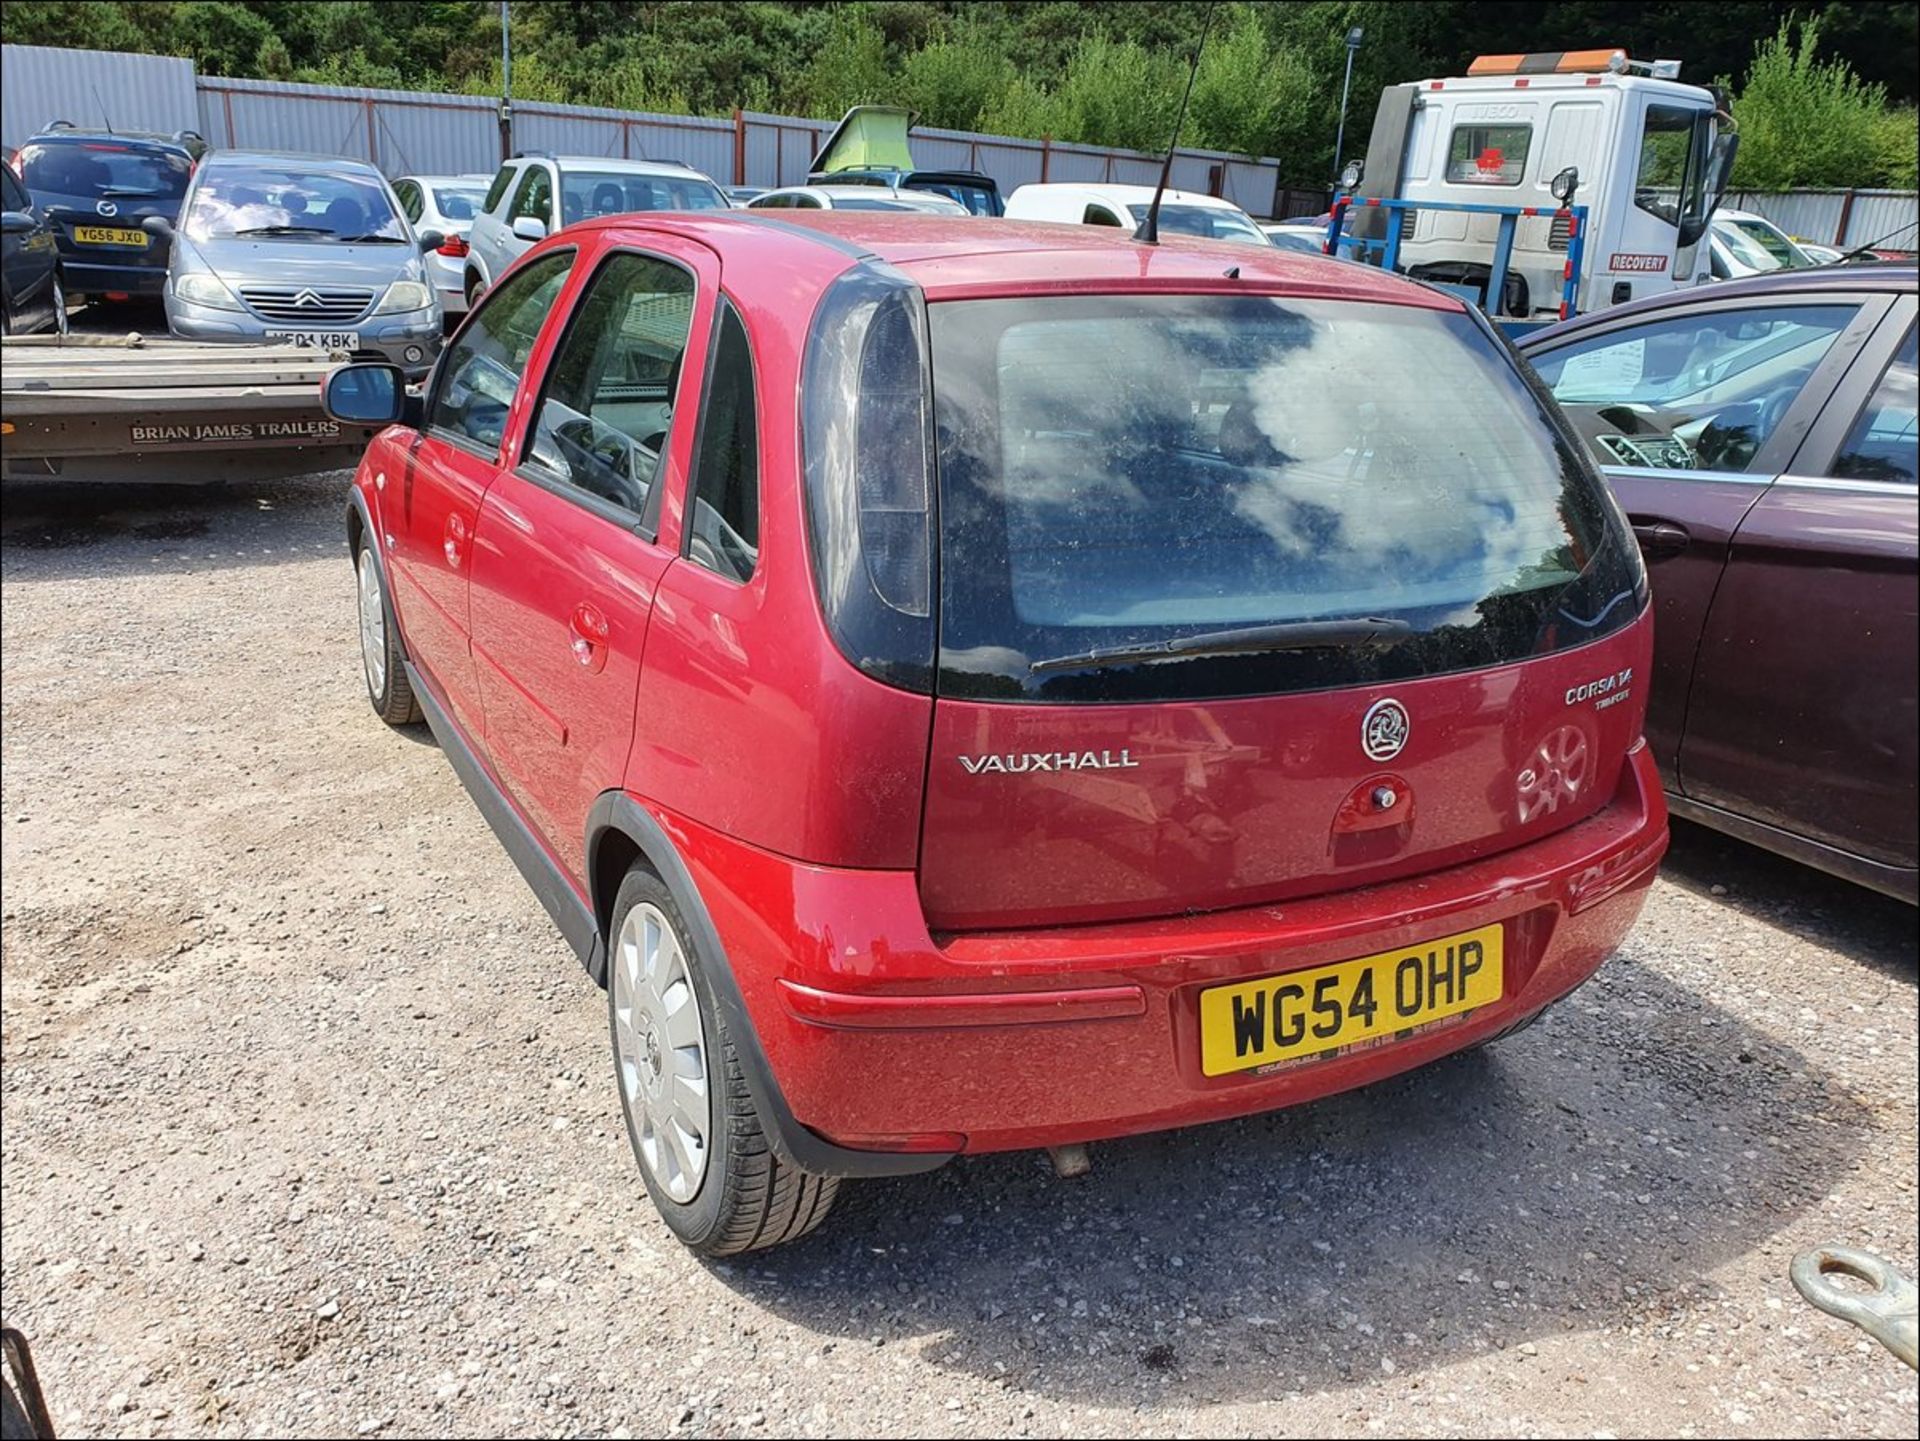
(1069, 1161)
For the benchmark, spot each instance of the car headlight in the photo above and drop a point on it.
(198, 287)
(405, 295)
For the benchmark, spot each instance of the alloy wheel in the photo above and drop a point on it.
(660, 1048)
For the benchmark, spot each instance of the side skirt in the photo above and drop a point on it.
(567, 906)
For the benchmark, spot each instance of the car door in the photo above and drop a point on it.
(1804, 712)
(489, 222)
(450, 464)
(1690, 410)
(30, 257)
(571, 544)
(533, 200)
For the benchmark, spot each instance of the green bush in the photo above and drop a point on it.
(1807, 122)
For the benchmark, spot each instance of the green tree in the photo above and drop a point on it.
(1805, 121)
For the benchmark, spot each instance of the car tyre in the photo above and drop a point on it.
(475, 289)
(382, 659)
(61, 325)
(690, 1109)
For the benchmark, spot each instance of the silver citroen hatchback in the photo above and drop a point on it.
(304, 249)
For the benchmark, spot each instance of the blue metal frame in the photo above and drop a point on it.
(1386, 253)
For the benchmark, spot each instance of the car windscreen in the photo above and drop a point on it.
(1783, 250)
(273, 203)
(102, 169)
(586, 193)
(458, 202)
(1118, 471)
(1744, 248)
(1203, 221)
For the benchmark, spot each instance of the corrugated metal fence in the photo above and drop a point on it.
(404, 131)
(422, 133)
(39, 83)
(1840, 217)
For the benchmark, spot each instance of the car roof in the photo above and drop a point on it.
(616, 166)
(305, 159)
(137, 137)
(470, 177)
(1131, 194)
(1877, 278)
(953, 257)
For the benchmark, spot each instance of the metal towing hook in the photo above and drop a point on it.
(1890, 1313)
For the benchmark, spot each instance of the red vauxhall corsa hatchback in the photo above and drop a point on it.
(964, 686)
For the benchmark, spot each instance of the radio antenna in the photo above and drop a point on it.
(1149, 232)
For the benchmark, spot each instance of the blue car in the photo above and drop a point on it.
(95, 187)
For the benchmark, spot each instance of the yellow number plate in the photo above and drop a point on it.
(1286, 1018)
(109, 235)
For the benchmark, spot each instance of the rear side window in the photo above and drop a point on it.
(480, 373)
(725, 534)
(1118, 472)
(409, 196)
(104, 169)
(1885, 444)
(1488, 154)
(609, 402)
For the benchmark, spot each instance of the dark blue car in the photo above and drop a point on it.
(94, 188)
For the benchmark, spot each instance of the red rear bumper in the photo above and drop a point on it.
(881, 1037)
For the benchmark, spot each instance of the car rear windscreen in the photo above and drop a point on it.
(103, 169)
(1119, 471)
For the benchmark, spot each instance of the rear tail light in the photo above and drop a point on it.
(867, 428)
(453, 247)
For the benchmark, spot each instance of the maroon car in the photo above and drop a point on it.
(1760, 436)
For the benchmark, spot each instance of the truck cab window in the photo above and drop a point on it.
(1488, 154)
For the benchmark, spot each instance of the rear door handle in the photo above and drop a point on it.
(1660, 537)
(589, 636)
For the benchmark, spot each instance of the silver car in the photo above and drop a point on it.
(303, 249)
(856, 197)
(448, 204)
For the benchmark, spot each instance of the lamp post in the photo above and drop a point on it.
(1354, 37)
(506, 85)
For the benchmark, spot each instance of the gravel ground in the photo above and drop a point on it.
(309, 1125)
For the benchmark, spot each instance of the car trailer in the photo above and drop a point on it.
(138, 408)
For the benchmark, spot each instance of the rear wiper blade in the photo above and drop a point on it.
(1360, 633)
(285, 230)
(128, 190)
(372, 240)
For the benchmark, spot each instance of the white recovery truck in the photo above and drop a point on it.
(146, 408)
(1504, 168)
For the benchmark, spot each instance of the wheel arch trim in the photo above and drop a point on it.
(618, 815)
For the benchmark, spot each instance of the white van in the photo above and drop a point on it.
(1182, 212)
